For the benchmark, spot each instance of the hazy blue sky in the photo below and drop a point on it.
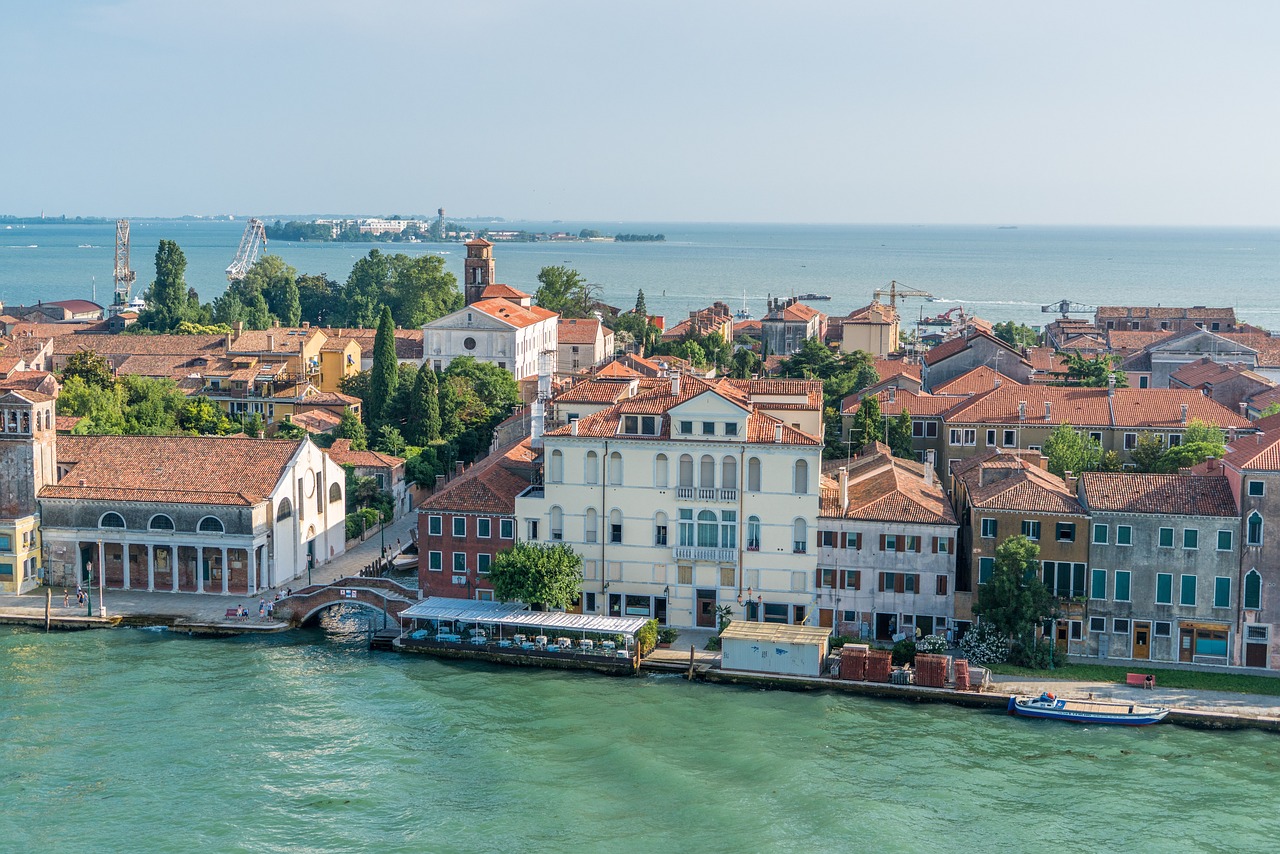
(903, 111)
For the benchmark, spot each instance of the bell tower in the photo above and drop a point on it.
(478, 272)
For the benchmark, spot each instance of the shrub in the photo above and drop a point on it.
(839, 641)
(983, 644)
(668, 635)
(713, 644)
(1041, 655)
(931, 644)
(904, 651)
(647, 637)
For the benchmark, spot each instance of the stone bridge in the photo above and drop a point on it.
(379, 594)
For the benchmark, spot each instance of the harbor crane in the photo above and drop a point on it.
(1067, 308)
(252, 242)
(896, 289)
(124, 276)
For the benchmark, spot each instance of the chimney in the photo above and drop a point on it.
(237, 327)
(1184, 413)
(1071, 480)
(777, 434)
(84, 482)
(844, 489)
(930, 457)
(1022, 410)
(306, 324)
(1048, 410)
(675, 384)
(1211, 464)
(997, 383)
(271, 342)
(458, 466)
(1244, 409)
(893, 393)
(573, 427)
(1111, 384)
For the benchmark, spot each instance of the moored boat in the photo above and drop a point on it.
(1086, 711)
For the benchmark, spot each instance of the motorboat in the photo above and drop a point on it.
(1050, 706)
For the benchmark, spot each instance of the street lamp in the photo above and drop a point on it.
(759, 603)
(88, 587)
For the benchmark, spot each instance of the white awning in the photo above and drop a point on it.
(517, 615)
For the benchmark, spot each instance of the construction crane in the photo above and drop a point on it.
(897, 290)
(252, 242)
(124, 276)
(1066, 308)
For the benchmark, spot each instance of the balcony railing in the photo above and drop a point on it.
(702, 493)
(685, 492)
(716, 555)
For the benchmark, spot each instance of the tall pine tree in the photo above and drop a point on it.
(383, 376)
(641, 308)
(167, 296)
(424, 407)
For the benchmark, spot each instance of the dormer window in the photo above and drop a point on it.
(731, 428)
(640, 425)
(686, 427)
(708, 428)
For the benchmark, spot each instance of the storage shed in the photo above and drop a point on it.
(774, 648)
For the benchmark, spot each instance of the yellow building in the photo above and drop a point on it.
(20, 563)
(27, 463)
(873, 328)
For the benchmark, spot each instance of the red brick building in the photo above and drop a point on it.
(465, 524)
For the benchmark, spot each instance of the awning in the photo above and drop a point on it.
(517, 615)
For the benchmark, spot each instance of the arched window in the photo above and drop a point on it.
(799, 537)
(1253, 590)
(111, 520)
(210, 525)
(728, 473)
(707, 534)
(707, 472)
(660, 471)
(615, 469)
(591, 528)
(686, 470)
(557, 523)
(801, 484)
(557, 467)
(1255, 529)
(753, 533)
(615, 525)
(335, 492)
(753, 474)
(160, 522)
(591, 474)
(660, 528)
(285, 510)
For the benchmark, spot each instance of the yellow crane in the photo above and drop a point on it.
(895, 290)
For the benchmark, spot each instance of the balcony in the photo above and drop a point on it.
(710, 554)
(701, 493)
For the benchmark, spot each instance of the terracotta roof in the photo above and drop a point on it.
(1205, 370)
(330, 398)
(885, 489)
(617, 370)
(152, 345)
(29, 380)
(962, 342)
(922, 404)
(1267, 347)
(171, 469)
(511, 313)
(29, 395)
(499, 291)
(1259, 452)
(797, 311)
(596, 391)
(875, 312)
(1262, 399)
(1008, 482)
(1173, 494)
(1162, 407)
(981, 378)
(477, 241)
(1046, 359)
(66, 423)
(163, 365)
(76, 306)
(1094, 407)
(746, 327)
(8, 363)
(489, 486)
(342, 454)
(889, 368)
(1199, 312)
(1126, 340)
(280, 339)
(573, 330)
(317, 420)
(408, 341)
(810, 390)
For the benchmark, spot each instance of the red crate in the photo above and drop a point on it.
(879, 665)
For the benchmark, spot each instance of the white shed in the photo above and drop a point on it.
(774, 648)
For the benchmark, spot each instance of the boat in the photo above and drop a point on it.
(1086, 711)
(812, 297)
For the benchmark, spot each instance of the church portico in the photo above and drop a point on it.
(140, 563)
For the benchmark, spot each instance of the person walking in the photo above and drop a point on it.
(262, 608)
(66, 598)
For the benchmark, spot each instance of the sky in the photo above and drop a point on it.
(1143, 113)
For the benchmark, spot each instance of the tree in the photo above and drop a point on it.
(389, 441)
(424, 407)
(1146, 454)
(277, 283)
(1069, 450)
(421, 290)
(745, 364)
(1092, 371)
(545, 575)
(867, 425)
(167, 298)
(1016, 334)
(562, 290)
(349, 427)
(641, 308)
(383, 375)
(1272, 409)
(289, 430)
(365, 291)
(318, 300)
(203, 416)
(1200, 442)
(900, 436)
(90, 367)
(842, 374)
(100, 409)
(1014, 600)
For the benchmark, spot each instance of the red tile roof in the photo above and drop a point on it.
(573, 330)
(317, 420)
(1123, 341)
(1206, 370)
(922, 404)
(1094, 407)
(883, 488)
(981, 378)
(152, 345)
(489, 486)
(1259, 452)
(500, 291)
(1002, 481)
(1267, 347)
(512, 314)
(1162, 407)
(1173, 494)
(1108, 312)
(618, 370)
(890, 368)
(342, 454)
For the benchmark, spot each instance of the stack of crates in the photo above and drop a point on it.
(931, 670)
(962, 674)
(879, 665)
(853, 662)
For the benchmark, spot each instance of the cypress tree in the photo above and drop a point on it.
(641, 308)
(167, 296)
(424, 407)
(382, 379)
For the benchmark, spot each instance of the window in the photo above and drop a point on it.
(1162, 629)
(1175, 439)
(506, 529)
(986, 566)
(1097, 625)
(556, 474)
(753, 533)
(940, 585)
(335, 493)
(483, 562)
(1166, 538)
(707, 472)
(591, 471)
(1253, 590)
(1100, 534)
(899, 582)
(615, 526)
(1164, 588)
(1098, 584)
(989, 528)
(913, 544)
(615, 469)
(686, 470)
(1009, 439)
(1122, 585)
(1066, 532)
(435, 561)
(1031, 529)
(660, 473)
(1257, 488)
(941, 545)
(888, 542)
(825, 578)
(557, 524)
(851, 579)
(728, 576)
(1224, 540)
(484, 528)
(1190, 538)
(828, 539)
(686, 427)
(1222, 592)
(799, 537)
(800, 486)
(1253, 535)
(708, 428)
(729, 473)
(1064, 579)
(753, 474)
(532, 526)
(460, 562)
(591, 526)
(1120, 627)
(706, 529)
(1077, 629)
(731, 428)
(459, 526)
(917, 429)
(160, 522)
(435, 526)
(991, 438)
(114, 520)
(1124, 535)
(852, 541)
(1096, 436)
(1130, 441)
(210, 524)
(1187, 591)
(660, 530)
(686, 527)
(684, 574)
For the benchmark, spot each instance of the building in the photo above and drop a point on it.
(886, 548)
(467, 521)
(972, 348)
(1252, 467)
(685, 497)
(926, 411)
(28, 463)
(1164, 318)
(874, 329)
(58, 311)
(1230, 384)
(1162, 358)
(788, 324)
(716, 319)
(196, 514)
(478, 269)
(1163, 562)
(582, 344)
(521, 340)
(385, 470)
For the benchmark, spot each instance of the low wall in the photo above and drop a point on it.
(519, 658)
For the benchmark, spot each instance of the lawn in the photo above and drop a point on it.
(1191, 679)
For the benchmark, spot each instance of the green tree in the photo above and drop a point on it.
(544, 575)
(319, 300)
(641, 308)
(1272, 409)
(389, 441)
(90, 367)
(1092, 371)
(421, 290)
(350, 427)
(423, 424)
(277, 282)
(289, 430)
(1200, 442)
(562, 290)
(1016, 334)
(1014, 600)
(366, 290)
(168, 299)
(745, 364)
(153, 407)
(900, 436)
(495, 387)
(842, 374)
(100, 409)
(1147, 453)
(203, 416)
(1069, 450)
(384, 374)
(867, 425)
(254, 427)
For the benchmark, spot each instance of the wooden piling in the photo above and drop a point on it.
(48, 607)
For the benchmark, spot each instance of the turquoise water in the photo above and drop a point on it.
(999, 273)
(145, 741)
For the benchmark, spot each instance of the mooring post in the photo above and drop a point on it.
(690, 662)
(48, 606)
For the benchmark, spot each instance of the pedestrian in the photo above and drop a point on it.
(277, 595)
(66, 597)
(398, 545)
(951, 637)
(271, 610)
(288, 591)
(262, 608)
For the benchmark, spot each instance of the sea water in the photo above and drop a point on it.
(136, 741)
(997, 273)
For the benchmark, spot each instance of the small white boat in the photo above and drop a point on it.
(1086, 711)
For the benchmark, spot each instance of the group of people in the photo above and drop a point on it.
(266, 607)
(66, 596)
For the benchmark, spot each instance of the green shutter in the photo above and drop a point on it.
(1122, 585)
(1187, 593)
(1190, 538)
(1100, 534)
(1124, 535)
(1166, 538)
(986, 565)
(1224, 541)
(1222, 591)
(1164, 588)
(1253, 590)
(1098, 585)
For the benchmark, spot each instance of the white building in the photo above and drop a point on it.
(686, 498)
(501, 331)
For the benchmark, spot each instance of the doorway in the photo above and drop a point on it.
(706, 609)
(825, 617)
(1142, 640)
(886, 624)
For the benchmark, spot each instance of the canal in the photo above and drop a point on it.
(149, 741)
